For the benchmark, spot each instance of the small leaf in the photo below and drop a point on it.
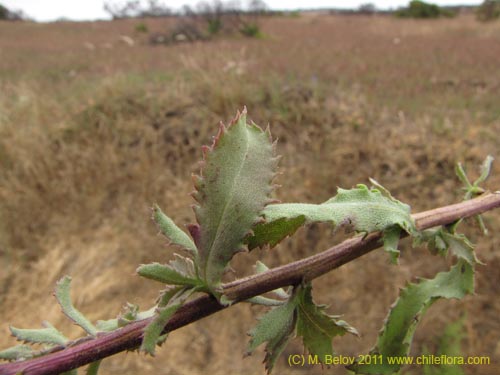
(317, 328)
(397, 334)
(461, 247)
(365, 210)
(18, 352)
(485, 170)
(174, 234)
(62, 293)
(48, 335)
(153, 333)
(131, 314)
(232, 190)
(276, 328)
(180, 271)
(441, 240)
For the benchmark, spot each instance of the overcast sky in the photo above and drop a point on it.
(49, 10)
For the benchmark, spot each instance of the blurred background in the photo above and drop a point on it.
(101, 119)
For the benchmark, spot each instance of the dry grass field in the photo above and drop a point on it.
(94, 130)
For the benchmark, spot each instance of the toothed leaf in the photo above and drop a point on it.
(365, 210)
(62, 293)
(440, 241)
(153, 333)
(233, 189)
(180, 271)
(48, 335)
(396, 336)
(174, 234)
(461, 247)
(276, 328)
(18, 352)
(317, 328)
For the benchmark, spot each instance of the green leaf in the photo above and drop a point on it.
(18, 352)
(63, 295)
(441, 240)
(317, 328)
(484, 170)
(276, 327)
(153, 333)
(396, 336)
(461, 247)
(365, 210)
(131, 314)
(180, 271)
(272, 233)
(174, 234)
(48, 335)
(232, 190)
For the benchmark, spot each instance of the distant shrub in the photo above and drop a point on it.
(141, 28)
(251, 30)
(214, 26)
(489, 10)
(420, 9)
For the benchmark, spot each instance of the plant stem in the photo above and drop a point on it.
(129, 337)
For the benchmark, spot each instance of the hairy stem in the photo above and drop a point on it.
(129, 337)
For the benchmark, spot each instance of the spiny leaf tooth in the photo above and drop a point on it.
(220, 133)
(197, 180)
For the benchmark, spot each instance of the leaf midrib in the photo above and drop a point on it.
(223, 213)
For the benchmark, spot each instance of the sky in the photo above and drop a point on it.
(50, 10)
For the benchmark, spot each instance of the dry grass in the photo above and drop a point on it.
(93, 131)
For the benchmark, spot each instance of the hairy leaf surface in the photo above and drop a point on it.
(276, 327)
(48, 335)
(397, 334)
(174, 234)
(170, 303)
(180, 271)
(18, 352)
(232, 190)
(363, 209)
(62, 293)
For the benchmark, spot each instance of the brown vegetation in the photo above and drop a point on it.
(94, 129)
